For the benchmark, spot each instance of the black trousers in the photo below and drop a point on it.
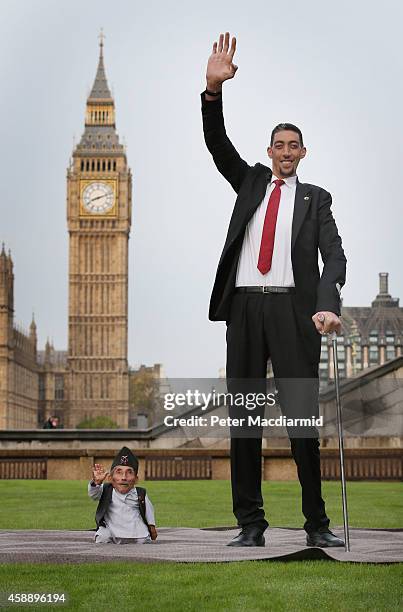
(262, 327)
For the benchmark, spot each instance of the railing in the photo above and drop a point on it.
(193, 464)
(178, 468)
(363, 467)
(23, 469)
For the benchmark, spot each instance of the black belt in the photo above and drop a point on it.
(262, 289)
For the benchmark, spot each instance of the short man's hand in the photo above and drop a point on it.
(220, 66)
(326, 322)
(153, 532)
(99, 474)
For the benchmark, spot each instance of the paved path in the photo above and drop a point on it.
(195, 545)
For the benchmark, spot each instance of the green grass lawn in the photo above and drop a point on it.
(64, 504)
(249, 585)
(205, 587)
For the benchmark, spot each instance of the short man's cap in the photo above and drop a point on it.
(125, 457)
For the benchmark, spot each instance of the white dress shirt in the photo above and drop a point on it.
(123, 517)
(280, 273)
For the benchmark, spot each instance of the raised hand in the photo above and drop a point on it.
(99, 474)
(220, 67)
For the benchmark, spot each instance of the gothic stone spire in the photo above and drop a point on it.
(100, 89)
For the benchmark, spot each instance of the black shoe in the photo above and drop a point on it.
(323, 538)
(249, 536)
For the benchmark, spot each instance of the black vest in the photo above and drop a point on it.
(106, 499)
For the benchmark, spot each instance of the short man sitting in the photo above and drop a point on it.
(125, 513)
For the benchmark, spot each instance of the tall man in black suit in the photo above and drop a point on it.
(269, 291)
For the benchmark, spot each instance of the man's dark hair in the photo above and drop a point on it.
(286, 126)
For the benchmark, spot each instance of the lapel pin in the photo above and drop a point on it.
(306, 198)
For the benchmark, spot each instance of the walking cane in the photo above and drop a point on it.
(341, 447)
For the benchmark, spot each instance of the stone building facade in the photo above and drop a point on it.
(18, 359)
(371, 335)
(52, 381)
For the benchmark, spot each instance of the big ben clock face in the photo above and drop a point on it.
(98, 197)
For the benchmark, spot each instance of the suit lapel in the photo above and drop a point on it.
(301, 205)
(262, 180)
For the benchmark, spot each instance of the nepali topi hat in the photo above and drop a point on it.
(125, 457)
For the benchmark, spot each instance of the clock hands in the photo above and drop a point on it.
(94, 192)
(104, 195)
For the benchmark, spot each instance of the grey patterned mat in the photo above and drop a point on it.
(189, 545)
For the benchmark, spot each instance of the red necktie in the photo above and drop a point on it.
(269, 229)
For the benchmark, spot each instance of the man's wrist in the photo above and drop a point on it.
(214, 87)
(211, 94)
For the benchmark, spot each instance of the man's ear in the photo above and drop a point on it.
(303, 152)
(270, 152)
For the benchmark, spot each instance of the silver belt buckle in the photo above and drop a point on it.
(266, 289)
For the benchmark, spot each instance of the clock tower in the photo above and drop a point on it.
(98, 220)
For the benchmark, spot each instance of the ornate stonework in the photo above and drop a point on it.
(99, 220)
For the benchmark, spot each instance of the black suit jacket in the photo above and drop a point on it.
(313, 228)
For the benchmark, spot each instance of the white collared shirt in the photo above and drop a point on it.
(123, 516)
(280, 273)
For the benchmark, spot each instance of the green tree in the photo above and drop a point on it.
(99, 422)
(143, 392)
